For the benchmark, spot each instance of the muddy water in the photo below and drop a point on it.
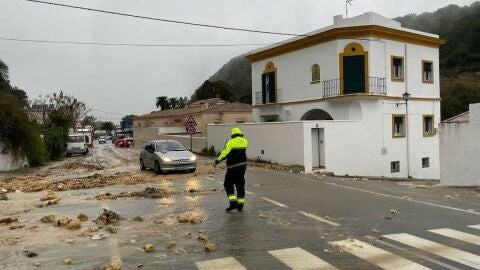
(159, 225)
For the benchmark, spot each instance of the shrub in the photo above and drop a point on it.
(54, 139)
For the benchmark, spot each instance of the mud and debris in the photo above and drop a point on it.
(108, 217)
(149, 248)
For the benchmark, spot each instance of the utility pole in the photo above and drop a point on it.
(347, 2)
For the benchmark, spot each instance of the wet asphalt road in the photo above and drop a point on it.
(283, 210)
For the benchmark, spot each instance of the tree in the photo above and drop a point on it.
(216, 89)
(108, 126)
(456, 98)
(7, 89)
(162, 103)
(89, 120)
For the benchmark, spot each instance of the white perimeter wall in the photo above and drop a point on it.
(460, 154)
(8, 163)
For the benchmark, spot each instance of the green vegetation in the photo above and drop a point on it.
(19, 136)
(209, 152)
(215, 89)
(166, 103)
(108, 126)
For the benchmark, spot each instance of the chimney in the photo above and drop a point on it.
(337, 19)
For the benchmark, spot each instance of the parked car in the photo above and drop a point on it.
(77, 144)
(122, 143)
(167, 156)
(102, 140)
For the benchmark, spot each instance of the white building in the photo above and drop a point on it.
(460, 149)
(341, 89)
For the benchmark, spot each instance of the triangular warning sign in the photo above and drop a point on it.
(191, 122)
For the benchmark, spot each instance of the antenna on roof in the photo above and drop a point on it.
(347, 2)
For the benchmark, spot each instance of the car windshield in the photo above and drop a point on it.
(170, 146)
(76, 139)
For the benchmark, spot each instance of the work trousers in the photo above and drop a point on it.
(235, 179)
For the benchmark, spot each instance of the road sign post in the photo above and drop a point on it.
(190, 128)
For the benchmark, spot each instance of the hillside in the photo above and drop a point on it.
(461, 27)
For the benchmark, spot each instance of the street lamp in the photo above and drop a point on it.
(406, 98)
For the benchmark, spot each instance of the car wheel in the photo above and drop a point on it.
(142, 166)
(192, 170)
(157, 168)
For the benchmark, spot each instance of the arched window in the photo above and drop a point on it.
(315, 73)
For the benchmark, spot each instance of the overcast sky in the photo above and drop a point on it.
(127, 79)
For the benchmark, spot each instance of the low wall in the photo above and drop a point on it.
(198, 143)
(8, 163)
(460, 154)
(280, 142)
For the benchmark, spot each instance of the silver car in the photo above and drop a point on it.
(167, 156)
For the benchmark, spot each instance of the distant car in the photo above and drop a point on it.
(102, 140)
(122, 143)
(108, 138)
(167, 156)
(77, 144)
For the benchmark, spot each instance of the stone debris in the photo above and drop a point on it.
(172, 244)
(88, 164)
(192, 190)
(149, 248)
(203, 237)
(62, 222)
(375, 231)
(69, 241)
(14, 227)
(50, 196)
(67, 261)
(111, 229)
(193, 219)
(139, 219)
(8, 220)
(116, 264)
(262, 215)
(107, 217)
(82, 217)
(99, 236)
(29, 254)
(48, 219)
(3, 196)
(37, 264)
(210, 247)
(74, 224)
(394, 211)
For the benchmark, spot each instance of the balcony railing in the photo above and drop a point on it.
(376, 86)
(259, 100)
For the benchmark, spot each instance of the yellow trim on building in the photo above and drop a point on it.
(353, 49)
(364, 31)
(315, 73)
(404, 125)
(392, 69)
(351, 96)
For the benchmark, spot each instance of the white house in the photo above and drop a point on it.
(460, 149)
(362, 96)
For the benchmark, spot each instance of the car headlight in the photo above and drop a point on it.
(166, 159)
(193, 158)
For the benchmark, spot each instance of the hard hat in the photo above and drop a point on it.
(236, 130)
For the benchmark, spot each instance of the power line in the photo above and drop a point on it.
(136, 44)
(93, 109)
(165, 20)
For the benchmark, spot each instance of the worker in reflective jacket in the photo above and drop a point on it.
(235, 153)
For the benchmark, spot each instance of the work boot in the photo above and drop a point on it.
(240, 208)
(233, 206)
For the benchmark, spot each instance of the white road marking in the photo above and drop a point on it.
(415, 254)
(475, 226)
(319, 218)
(466, 237)
(274, 202)
(382, 194)
(248, 192)
(377, 256)
(220, 264)
(453, 254)
(299, 259)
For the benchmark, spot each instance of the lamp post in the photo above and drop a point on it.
(406, 98)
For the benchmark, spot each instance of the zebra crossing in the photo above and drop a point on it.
(299, 259)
